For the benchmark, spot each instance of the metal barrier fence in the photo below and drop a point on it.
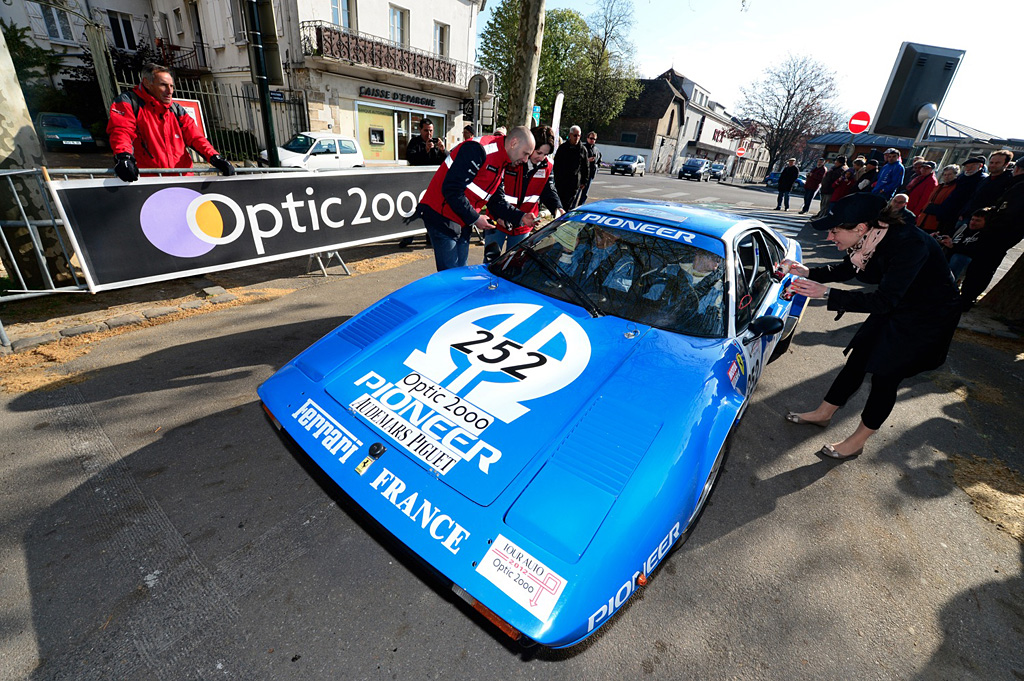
(35, 252)
(232, 114)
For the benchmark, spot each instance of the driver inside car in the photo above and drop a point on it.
(705, 276)
(606, 263)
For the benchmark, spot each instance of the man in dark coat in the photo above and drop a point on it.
(786, 181)
(593, 163)
(425, 149)
(571, 167)
(1004, 229)
(966, 184)
(990, 189)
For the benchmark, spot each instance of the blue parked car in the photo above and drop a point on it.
(63, 132)
(542, 431)
(772, 181)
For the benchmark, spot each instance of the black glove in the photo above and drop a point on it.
(223, 166)
(126, 169)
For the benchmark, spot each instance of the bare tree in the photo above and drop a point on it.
(792, 102)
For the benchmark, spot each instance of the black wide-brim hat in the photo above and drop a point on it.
(851, 210)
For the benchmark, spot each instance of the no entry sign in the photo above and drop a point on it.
(741, 151)
(859, 122)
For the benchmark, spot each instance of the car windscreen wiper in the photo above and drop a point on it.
(564, 278)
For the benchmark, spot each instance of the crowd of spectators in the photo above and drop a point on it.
(976, 215)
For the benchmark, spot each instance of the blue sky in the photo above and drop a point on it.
(723, 48)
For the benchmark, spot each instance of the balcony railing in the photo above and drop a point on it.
(330, 41)
(186, 60)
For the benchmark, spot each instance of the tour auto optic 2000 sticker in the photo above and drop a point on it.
(481, 366)
(524, 578)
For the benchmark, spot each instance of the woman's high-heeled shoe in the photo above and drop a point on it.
(796, 418)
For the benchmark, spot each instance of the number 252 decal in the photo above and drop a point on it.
(503, 354)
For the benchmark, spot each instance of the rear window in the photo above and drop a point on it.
(347, 147)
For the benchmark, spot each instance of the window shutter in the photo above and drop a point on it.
(35, 20)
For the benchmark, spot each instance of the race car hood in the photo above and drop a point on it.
(485, 380)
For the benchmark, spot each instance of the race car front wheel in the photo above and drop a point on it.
(705, 494)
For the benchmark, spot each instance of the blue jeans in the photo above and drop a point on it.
(783, 196)
(450, 240)
(958, 264)
(808, 197)
(496, 242)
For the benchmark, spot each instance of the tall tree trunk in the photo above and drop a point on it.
(527, 62)
(1006, 298)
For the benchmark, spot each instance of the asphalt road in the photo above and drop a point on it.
(153, 526)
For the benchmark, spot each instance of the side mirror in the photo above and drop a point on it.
(763, 326)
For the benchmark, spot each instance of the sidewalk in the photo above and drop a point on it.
(35, 322)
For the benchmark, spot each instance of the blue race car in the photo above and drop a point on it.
(543, 430)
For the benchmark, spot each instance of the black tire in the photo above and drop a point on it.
(705, 495)
(633, 174)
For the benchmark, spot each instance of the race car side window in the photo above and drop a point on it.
(775, 250)
(755, 268)
(743, 299)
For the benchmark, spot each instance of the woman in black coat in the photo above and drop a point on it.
(912, 314)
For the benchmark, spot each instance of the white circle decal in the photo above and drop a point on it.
(505, 361)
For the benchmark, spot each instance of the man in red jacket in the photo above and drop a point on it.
(149, 130)
(812, 183)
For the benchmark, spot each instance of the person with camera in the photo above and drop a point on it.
(426, 150)
(148, 129)
(913, 310)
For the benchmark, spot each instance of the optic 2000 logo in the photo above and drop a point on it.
(185, 223)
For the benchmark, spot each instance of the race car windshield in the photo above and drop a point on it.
(645, 279)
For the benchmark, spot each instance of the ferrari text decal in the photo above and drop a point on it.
(429, 517)
(336, 438)
(427, 421)
(626, 590)
(522, 577)
(523, 352)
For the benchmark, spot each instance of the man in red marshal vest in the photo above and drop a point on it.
(469, 179)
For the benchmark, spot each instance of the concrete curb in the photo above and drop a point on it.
(213, 295)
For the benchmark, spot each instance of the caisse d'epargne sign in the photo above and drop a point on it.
(163, 228)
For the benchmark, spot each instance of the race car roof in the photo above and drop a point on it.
(709, 223)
